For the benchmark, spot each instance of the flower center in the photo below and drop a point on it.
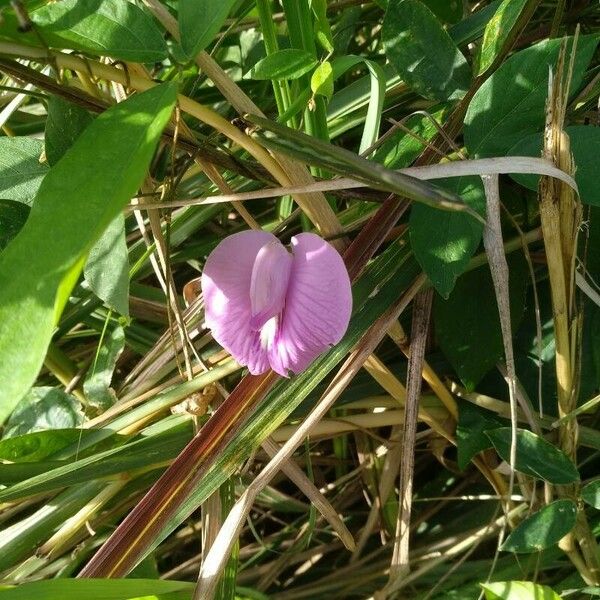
(268, 288)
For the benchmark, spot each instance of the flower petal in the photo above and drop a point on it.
(226, 281)
(317, 306)
(268, 286)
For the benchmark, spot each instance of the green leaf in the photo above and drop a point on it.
(21, 171)
(542, 529)
(200, 21)
(291, 63)
(115, 28)
(422, 52)
(448, 11)
(591, 494)
(471, 438)
(44, 408)
(13, 215)
(585, 140)
(36, 446)
(37, 270)
(322, 27)
(400, 149)
(65, 122)
(96, 589)
(377, 79)
(518, 590)
(321, 82)
(107, 267)
(497, 31)
(467, 323)
(535, 456)
(97, 382)
(496, 120)
(444, 243)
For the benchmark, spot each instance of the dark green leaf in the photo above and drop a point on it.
(291, 63)
(13, 215)
(97, 382)
(448, 11)
(497, 31)
(37, 270)
(518, 590)
(591, 494)
(65, 122)
(115, 28)
(107, 267)
(444, 243)
(199, 21)
(422, 52)
(496, 120)
(467, 324)
(543, 529)
(21, 171)
(471, 438)
(585, 141)
(44, 408)
(535, 456)
(36, 446)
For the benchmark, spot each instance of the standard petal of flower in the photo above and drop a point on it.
(317, 307)
(226, 283)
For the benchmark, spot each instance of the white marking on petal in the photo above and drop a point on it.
(268, 332)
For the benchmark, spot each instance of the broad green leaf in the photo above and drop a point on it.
(36, 446)
(542, 529)
(518, 590)
(467, 323)
(591, 494)
(496, 120)
(200, 21)
(448, 11)
(44, 408)
(291, 63)
(585, 140)
(37, 270)
(13, 215)
(97, 382)
(321, 81)
(115, 28)
(497, 31)
(444, 243)
(535, 456)
(65, 122)
(21, 171)
(97, 589)
(107, 267)
(471, 439)
(422, 52)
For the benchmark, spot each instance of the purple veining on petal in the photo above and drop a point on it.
(318, 305)
(226, 289)
(269, 283)
(268, 307)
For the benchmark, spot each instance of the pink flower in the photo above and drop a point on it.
(271, 308)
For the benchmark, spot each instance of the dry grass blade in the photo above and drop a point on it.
(561, 213)
(420, 329)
